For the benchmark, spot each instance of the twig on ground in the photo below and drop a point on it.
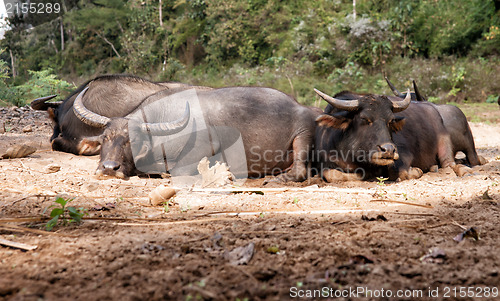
(402, 202)
(14, 228)
(176, 222)
(17, 245)
(458, 225)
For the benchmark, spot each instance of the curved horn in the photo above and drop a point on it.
(417, 93)
(85, 115)
(347, 105)
(41, 104)
(394, 90)
(398, 106)
(168, 128)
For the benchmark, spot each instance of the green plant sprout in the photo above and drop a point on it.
(75, 215)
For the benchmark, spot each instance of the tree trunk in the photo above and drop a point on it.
(13, 64)
(62, 34)
(354, 9)
(161, 14)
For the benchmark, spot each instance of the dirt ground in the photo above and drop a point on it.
(342, 241)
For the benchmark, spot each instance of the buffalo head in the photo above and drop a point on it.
(363, 127)
(117, 158)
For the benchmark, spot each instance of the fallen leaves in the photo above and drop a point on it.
(19, 151)
(468, 233)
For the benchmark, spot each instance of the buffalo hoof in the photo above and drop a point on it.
(332, 175)
(461, 170)
(434, 168)
(482, 160)
(411, 173)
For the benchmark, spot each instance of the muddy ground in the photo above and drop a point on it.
(395, 239)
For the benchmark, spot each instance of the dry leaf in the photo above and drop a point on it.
(241, 255)
(215, 176)
(19, 151)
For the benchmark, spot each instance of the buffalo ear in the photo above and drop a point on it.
(397, 124)
(52, 114)
(337, 121)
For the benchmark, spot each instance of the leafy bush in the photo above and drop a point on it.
(42, 83)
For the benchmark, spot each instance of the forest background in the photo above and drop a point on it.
(451, 48)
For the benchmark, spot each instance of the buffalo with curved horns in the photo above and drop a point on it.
(455, 123)
(109, 95)
(361, 136)
(276, 132)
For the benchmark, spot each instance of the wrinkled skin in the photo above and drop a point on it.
(276, 131)
(417, 135)
(109, 95)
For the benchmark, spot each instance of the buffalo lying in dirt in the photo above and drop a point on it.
(276, 132)
(455, 123)
(108, 95)
(363, 136)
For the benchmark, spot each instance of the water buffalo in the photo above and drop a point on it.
(109, 95)
(455, 123)
(363, 136)
(276, 132)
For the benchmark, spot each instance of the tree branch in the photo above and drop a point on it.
(107, 41)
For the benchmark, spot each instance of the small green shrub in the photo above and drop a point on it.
(42, 83)
(62, 213)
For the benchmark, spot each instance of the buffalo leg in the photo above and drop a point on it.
(332, 175)
(445, 151)
(83, 147)
(301, 148)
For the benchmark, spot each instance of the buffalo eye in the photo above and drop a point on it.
(366, 121)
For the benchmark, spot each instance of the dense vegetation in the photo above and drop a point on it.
(451, 48)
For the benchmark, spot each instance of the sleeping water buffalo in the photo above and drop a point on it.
(174, 129)
(109, 95)
(455, 123)
(361, 136)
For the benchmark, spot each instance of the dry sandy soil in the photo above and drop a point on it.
(395, 239)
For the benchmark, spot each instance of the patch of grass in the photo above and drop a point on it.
(481, 112)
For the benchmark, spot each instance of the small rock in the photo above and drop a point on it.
(27, 129)
(51, 168)
(160, 195)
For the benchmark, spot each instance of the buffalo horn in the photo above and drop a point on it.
(167, 128)
(400, 105)
(347, 105)
(85, 115)
(394, 90)
(42, 105)
(417, 93)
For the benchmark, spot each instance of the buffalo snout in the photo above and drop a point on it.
(111, 165)
(386, 154)
(388, 150)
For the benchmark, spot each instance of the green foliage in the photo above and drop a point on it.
(293, 46)
(42, 83)
(8, 94)
(63, 213)
(451, 27)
